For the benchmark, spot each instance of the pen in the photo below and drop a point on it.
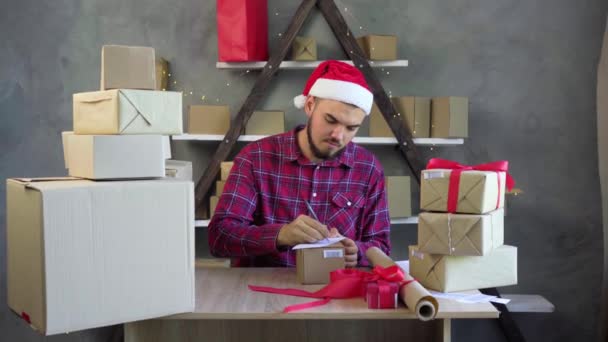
(312, 212)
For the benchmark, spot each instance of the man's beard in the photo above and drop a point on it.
(316, 151)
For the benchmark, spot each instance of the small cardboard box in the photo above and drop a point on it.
(213, 203)
(450, 117)
(378, 127)
(479, 192)
(225, 168)
(398, 189)
(460, 234)
(209, 119)
(128, 111)
(128, 67)
(313, 265)
(417, 113)
(178, 169)
(84, 254)
(219, 187)
(115, 156)
(304, 49)
(266, 122)
(378, 47)
(162, 74)
(460, 273)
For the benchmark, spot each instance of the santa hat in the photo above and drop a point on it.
(338, 81)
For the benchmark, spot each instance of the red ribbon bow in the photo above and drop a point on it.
(343, 283)
(497, 166)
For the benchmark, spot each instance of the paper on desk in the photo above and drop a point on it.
(320, 243)
(457, 296)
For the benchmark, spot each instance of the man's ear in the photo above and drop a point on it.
(309, 105)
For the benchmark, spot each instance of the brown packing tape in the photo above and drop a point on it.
(414, 295)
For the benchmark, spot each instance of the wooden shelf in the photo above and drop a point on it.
(404, 220)
(358, 140)
(399, 63)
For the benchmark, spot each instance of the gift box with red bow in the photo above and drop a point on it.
(381, 294)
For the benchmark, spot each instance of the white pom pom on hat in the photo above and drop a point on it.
(338, 81)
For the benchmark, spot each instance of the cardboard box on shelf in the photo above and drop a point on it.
(128, 67)
(162, 74)
(304, 49)
(212, 204)
(313, 265)
(208, 119)
(378, 127)
(378, 47)
(450, 117)
(84, 254)
(399, 196)
(417, 113)
(128, 111)
(266, 122)
(219, 187)
(225, 168)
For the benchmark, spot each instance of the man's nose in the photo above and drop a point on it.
(338, 133)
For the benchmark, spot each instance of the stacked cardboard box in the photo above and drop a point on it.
(461, 248)
(225, 168)
(86, 251)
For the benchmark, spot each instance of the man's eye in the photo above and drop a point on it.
(352, 129)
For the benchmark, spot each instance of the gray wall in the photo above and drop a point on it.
(529, 68)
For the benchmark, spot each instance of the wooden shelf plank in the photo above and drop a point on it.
(295, 65)
(358, 140)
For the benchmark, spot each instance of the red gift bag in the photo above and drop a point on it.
(242, 30)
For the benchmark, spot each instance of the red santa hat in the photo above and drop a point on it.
(338, 81)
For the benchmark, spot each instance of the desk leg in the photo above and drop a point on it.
(446, 326)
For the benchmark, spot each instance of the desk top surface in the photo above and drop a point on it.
(222, 293)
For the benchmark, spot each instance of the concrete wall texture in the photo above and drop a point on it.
(528, 67)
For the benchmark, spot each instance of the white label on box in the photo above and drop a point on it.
(418, 255)
(333, 253)
(433, 174)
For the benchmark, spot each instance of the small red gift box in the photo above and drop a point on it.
(381, 295)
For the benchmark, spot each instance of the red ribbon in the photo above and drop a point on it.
(343, 283)
(497, 166)
(26, 317)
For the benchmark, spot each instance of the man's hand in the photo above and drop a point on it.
(350, 252)
(304, 229)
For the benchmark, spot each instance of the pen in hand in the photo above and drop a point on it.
(333, 232)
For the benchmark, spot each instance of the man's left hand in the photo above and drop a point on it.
(350, 252)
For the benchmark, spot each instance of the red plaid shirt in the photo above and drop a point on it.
(267, 187)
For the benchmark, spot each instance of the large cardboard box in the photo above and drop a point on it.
(84, 254)
(313, 265)
(378, 127)
(266, 122)
(450, 117)
(115, 156)
(378, 47)
(128, 111)
(399, 196)
(178, 169)
(460, 234)
(129, 67)
(162, 74)
(225, 168)
(417, 113)
(479, 192)
(459, 273)
(208, 119)
(304, 49)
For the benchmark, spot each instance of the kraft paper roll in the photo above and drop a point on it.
(414, 295)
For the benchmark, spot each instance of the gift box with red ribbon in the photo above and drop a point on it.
(381, 294)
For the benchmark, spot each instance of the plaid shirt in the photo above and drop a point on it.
(267, 187)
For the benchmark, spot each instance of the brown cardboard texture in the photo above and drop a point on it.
(460, 234)
(378, 127)
(225, 168)
(208, 119)
(219, 187)
(479, 192)
(313, 265)
(162, 74)
(304, 49)
(213, 203)
(128, 67)
(266, 122)
(378, 47)
(399, 196)
(450, 117)
(417, 113)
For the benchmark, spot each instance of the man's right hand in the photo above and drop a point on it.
(304, 229)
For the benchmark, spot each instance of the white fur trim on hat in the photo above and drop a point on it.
(343, 91)
(299, 101)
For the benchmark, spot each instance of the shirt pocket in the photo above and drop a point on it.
(346, 209)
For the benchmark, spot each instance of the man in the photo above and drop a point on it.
(263, 210)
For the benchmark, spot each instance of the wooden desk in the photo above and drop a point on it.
(226, 310)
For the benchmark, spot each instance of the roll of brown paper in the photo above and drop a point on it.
(414, 295)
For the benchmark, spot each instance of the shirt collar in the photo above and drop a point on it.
(292, 151)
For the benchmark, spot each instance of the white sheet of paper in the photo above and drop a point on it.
(320, 243)
(469, 298)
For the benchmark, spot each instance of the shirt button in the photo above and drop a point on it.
(314, 194)
(318, 167)
(348, 204)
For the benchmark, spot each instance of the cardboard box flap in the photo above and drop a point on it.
(304, 45)
(134, 101)
(96, 96)
(43, 179)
